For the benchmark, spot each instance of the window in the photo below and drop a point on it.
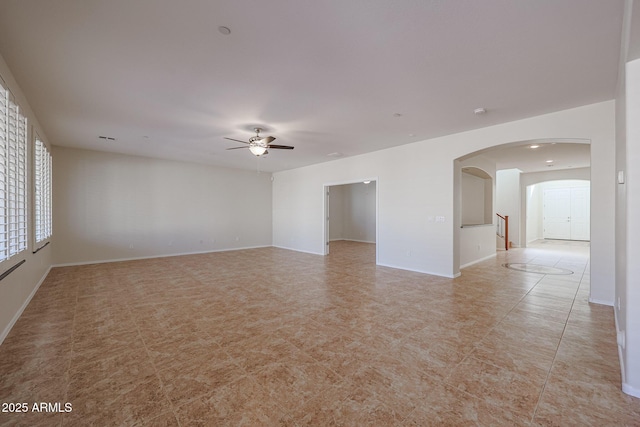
(42, 192)
(13, 177)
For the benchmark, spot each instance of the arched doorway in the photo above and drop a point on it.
(516, 165)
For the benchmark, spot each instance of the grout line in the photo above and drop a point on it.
(544, 386)
(155, 369)
(71, 352)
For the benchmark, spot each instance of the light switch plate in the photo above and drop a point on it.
(620, 177)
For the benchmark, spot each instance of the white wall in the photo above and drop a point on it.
(336, 212)
(112, 206)
(629, 296)
(352, 213)
(473, 199)
(508, 201)
(18, 287)
(627, 229)
(360, 212)
(416, 186)
(477, 243)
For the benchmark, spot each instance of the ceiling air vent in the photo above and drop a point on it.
(107, 138)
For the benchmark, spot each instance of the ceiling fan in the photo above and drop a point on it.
(258, 145)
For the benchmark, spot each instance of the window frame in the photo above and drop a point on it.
(42, 192)
(14, 179)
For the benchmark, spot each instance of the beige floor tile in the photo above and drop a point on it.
(297, 339)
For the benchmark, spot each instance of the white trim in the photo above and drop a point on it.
(631, 391)
(601, 302)
(421, 271)
(104, 261)
(16, 316)
(298, 250)
(478, 260)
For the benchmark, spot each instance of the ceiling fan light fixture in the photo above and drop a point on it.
(257, 150)
(259, 145)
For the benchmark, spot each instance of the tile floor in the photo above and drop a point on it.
(274, 337)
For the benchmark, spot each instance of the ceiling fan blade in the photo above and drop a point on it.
(236, 148)
(280, 147)
(236, 140)
(267, 139)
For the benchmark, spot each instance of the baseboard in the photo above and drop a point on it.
(359, 241)
(16, 316)
(601, 302)
(620, 357)
(452, 276)
(105, 261)
(631, 391)
(478, 260)
(297, 250)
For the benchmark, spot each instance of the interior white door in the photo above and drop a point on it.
(557, 213)
(580, 214)
(566, 213)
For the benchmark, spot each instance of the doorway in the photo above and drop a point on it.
(351, 213)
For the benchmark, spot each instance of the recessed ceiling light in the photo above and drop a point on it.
(224, 30)
(479, 111)
(336, 154)
(367, 182)
(549, 161)
(534, 146)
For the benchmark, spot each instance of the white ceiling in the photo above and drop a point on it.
(325, 76)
